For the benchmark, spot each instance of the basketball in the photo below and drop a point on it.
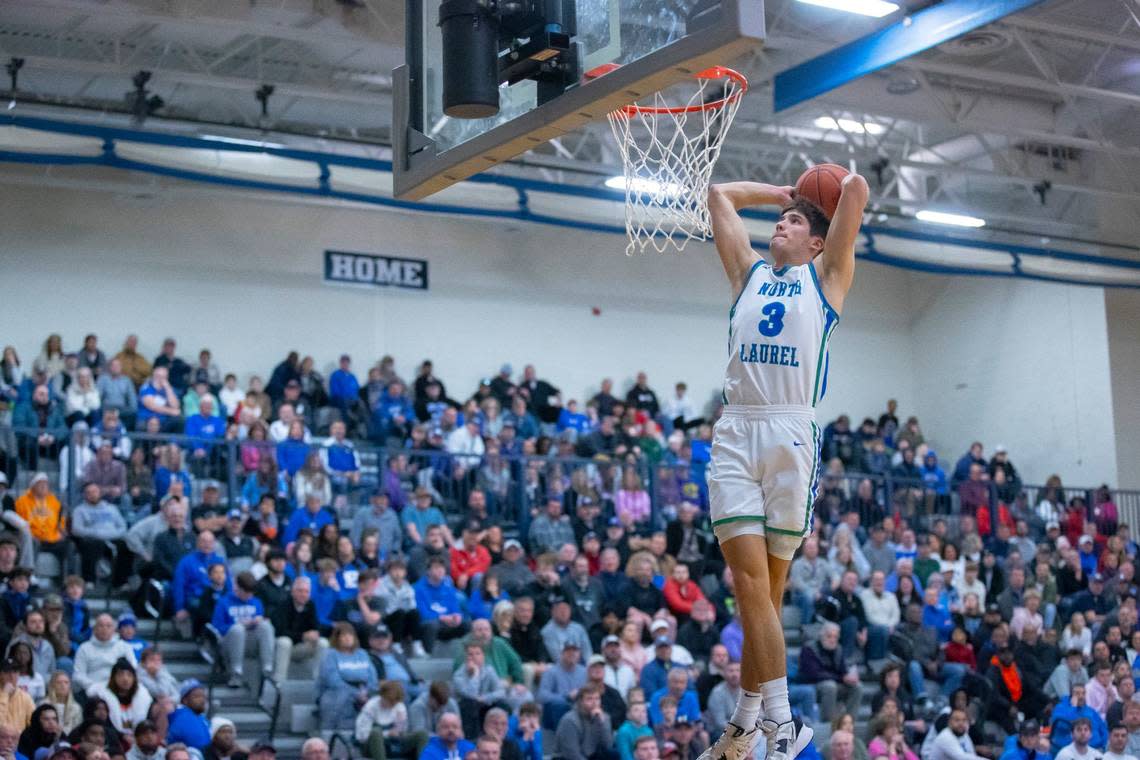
(822, 184)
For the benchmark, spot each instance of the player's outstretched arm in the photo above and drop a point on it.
(837, 268)
(729, 232)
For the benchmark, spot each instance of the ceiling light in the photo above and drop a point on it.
(874, 8)
(957, 220)
(644, 186)
(850, 125)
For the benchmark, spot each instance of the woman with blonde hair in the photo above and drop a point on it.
(60, 697)
(82, 399)
(51, 357)
(312, 479)
(346, 679)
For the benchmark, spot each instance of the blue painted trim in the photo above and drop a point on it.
(819, 289)
(522, 186)
(910, 36)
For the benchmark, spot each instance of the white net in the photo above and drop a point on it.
(669, 152)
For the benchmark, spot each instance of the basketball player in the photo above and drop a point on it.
(765, 453)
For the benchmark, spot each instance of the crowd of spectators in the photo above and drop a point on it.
(586, 615)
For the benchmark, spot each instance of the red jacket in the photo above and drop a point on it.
(680, 598)
(961, 653)
(469, 563)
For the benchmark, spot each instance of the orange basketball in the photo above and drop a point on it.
(822, 184)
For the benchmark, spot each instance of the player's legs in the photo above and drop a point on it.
(763, 656)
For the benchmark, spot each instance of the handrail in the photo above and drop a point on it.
(275, 712)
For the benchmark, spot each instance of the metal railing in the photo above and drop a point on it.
(515, 486)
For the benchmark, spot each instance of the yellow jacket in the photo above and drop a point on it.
(135, 366)
(43, 517)
(16, 709)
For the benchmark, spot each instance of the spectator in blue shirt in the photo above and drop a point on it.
(313, 517)
(448, 742)
(571, 419)
(935, 615)
(655, 674)
(393, 415)
(204, 425)
(294, 450)
(170, 469)
(239, 617)
(677, 686)
(525, 730)
(191, 576)
(438, 605)
(326, 594)
(933, 476)
(346, 679)
(344, 388)
(340, 459)
(189, 724)
(158, 399)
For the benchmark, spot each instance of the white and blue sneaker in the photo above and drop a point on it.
(786, 740)
(736, 743)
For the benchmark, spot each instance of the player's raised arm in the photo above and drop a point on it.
(729, 232)
(837, 265)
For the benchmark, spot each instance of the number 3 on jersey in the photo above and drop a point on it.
(774, 324)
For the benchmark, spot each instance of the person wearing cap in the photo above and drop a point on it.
(344, 388)
(561, 629)
(1086, 547)
(211, 513)
(37, 514)
(513, 571)
(382, 519)
(612, 701)
(655, 674)
(1028, 743)
(560, 683)
(94, 525)
(438, 604)
(688, 738)
(128, 633)
(618, 675)
(1095, 603)
(189, 723)
(238, 548)
(470, 559)
(585, 732)
(422, 515)
(223, 741)
(16, 706)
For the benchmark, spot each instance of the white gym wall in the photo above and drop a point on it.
(243, 276)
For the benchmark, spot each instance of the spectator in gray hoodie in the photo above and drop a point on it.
(478, 688)
(94, 523)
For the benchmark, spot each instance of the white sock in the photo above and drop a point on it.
(776, 700)
(747, 709)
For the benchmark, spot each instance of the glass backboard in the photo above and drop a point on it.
(657, 43)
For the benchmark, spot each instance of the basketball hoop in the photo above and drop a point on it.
(669, 152)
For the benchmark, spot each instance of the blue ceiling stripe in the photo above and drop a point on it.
(902, 39)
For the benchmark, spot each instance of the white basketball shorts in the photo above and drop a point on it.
(763, 474)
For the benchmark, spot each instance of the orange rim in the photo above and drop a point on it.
(714, 72)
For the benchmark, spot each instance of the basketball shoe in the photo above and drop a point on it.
(734, 744)
(786, 740)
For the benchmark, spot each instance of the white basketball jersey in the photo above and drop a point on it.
(777, 339)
